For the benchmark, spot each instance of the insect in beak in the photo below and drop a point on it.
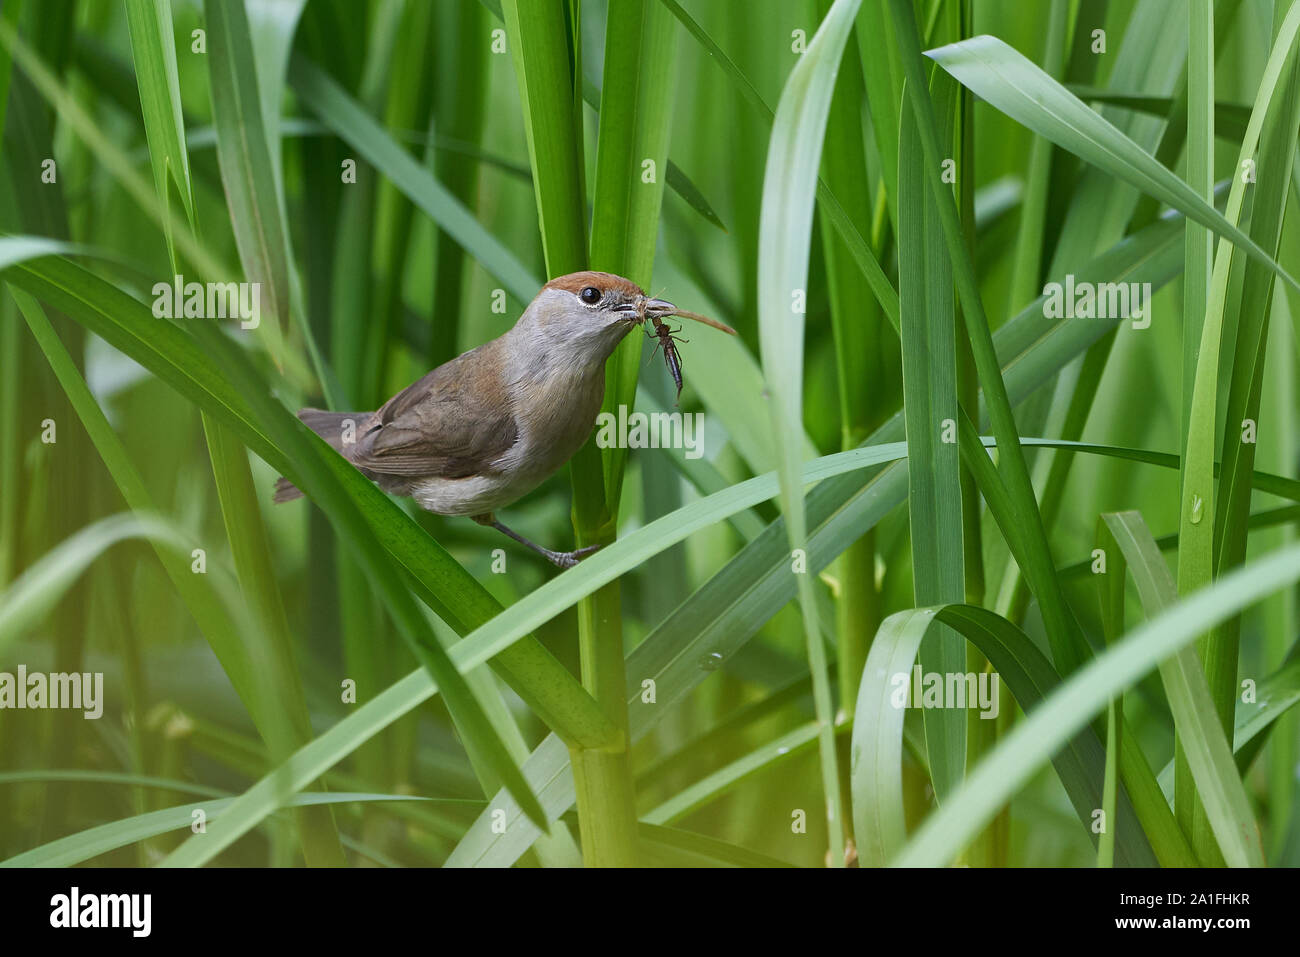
(655, 311)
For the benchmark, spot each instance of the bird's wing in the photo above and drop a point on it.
(454, 422)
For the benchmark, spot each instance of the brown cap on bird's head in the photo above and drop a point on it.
(575, 282)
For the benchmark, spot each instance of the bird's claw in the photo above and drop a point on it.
(569, 559)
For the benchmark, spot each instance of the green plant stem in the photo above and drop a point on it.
(603, 777)
(545, 47)
(1198, 256)
(857, 325)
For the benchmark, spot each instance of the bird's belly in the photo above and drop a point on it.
(478, 494)
(473, 495)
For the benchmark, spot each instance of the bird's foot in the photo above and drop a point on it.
(569, 559)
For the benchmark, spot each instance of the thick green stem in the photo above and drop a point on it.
(603, 777)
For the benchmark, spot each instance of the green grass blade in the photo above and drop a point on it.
(1021, 522)
(785, 235)
(1111, 592)
(1110, 786)
(1278, 694)
(1196, 559)
(1245, 391)
(631, 149)
(675, 179)
(154, 53)
(1199, 256)
(541, 47)
(1026, 269)
(248, 152)
(865, 356)
(1198, 263)
(636, 106)
(934, 502)
(882, 73)
(1201, 739)
(245, 155)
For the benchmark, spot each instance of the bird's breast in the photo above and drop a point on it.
(555, 414)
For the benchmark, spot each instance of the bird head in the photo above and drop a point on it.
(582, 317)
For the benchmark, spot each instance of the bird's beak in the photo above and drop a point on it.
(659, 308)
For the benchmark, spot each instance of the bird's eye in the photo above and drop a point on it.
(590, 295)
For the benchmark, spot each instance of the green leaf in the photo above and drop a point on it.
(1199, 504)
(542, 48)
(1246, 386)
(245, 155)
(636, 107)
(154, 52)
(1010, 485)
(676, 179)
(1200, 738)
(785, 236)
(934, 506)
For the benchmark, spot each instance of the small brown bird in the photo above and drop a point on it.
(481, 431)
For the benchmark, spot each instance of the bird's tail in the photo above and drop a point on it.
(336, 428)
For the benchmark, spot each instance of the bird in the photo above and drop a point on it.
(486, 428)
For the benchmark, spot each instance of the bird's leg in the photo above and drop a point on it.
(561, 559)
